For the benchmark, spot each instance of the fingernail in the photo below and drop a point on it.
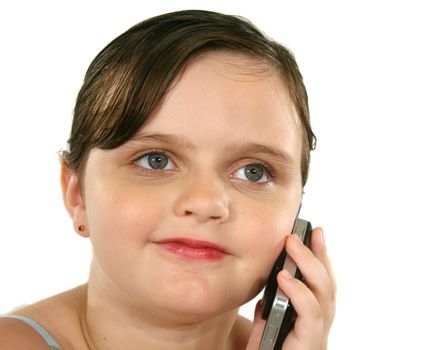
(285, 274)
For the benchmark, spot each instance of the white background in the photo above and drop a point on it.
(373, 74)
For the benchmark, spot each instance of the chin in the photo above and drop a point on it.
(198, 300)
(195, 298)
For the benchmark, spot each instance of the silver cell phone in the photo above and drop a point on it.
(277, 309)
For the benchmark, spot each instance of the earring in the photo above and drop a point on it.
(81, 228)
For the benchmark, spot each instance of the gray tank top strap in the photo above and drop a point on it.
(39, 328)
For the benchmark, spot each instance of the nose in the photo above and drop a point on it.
(204, 199)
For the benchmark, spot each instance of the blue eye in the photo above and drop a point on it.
(255, 173)
(155, 161)
(252, 172)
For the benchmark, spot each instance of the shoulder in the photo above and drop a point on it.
(58, 315)
(15, 334)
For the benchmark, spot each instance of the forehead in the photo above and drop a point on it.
(224, 97)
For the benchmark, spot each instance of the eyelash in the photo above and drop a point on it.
(270, 170)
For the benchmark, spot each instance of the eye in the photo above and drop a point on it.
(155, 161)
(254, 172)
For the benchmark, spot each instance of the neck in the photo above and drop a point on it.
(109, 323)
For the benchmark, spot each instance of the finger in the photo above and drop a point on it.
(315, 274)
(318, 247)
(308, 328)
(312, 269)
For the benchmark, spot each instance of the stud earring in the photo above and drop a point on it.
(81, 228)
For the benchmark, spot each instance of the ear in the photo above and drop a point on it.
(73, 200)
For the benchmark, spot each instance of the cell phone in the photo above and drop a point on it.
(277, 309)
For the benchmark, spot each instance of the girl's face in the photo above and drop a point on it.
(219, 161)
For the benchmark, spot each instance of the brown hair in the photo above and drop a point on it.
(128, 79)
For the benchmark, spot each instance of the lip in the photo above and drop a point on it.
(191, 249)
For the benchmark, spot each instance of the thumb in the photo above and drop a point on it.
(257, 330)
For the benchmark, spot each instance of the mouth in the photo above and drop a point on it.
(190, 249)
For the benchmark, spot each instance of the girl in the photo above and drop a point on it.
(188, 153)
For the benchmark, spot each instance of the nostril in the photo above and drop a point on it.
(202, 203)
(215, 217)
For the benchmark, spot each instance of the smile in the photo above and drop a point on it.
(191, 249)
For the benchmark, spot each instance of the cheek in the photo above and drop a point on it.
(271, 220)
(267, 231)
(264, 238)
(129, 204)
(123, 219)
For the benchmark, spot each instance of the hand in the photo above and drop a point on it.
(314, 301)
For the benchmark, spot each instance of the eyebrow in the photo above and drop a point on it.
(248, 147)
